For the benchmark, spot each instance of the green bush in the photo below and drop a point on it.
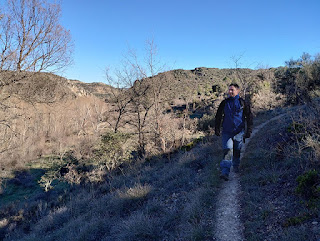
(113, 150)
(299, 80)
(52, 166)
(296, 128)
(191, 144)
(308, 184)
(297, 220)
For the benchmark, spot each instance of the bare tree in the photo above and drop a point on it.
(244, 75)
(138, 93)
(146, 92)
(31, 41)
(120, 96)
(31, 38)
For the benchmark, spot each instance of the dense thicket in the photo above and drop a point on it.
(299, 80)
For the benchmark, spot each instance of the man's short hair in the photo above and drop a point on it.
(235, 85)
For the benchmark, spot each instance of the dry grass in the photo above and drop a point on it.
(151, 200)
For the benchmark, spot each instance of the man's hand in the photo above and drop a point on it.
(247, 135)
(217, 132)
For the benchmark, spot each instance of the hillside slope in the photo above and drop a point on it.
(159, 199)
(175, 198)
(184, 84)
(281, 178)
(49, 88)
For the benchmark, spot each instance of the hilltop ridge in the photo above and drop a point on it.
(198, 83)
(50, 88)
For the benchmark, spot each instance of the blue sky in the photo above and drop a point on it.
(190, 34)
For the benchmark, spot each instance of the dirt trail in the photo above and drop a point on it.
(228, 226)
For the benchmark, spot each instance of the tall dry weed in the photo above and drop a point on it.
(306, 130)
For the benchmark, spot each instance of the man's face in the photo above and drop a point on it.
(233, 91)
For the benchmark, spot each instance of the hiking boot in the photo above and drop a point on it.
(236, 169)
(224, 177)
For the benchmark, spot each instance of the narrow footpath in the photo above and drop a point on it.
(228, 226)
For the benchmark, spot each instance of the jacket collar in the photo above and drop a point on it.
(233, 98)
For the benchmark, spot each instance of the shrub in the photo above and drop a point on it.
(191, 144)
(313, 141)
(308, 184)
(304, 131)
(299, 80)
(112, 150)
(297, 220)
(138, 192)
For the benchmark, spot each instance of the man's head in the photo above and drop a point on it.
(234, 90)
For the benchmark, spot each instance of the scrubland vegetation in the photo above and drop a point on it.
(281, 169)
(72, 169)
(136, 158)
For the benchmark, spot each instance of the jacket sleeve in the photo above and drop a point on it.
(248, 116)
(219, 116)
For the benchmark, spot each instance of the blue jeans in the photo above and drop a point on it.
(231, 145)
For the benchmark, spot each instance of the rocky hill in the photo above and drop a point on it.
(100, 90)
(50, 88)
(199, 83)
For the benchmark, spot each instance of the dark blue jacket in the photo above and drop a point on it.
(233, 112)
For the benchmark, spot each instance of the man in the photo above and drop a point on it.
(236, 117)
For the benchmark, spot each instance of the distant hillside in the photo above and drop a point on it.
(197, 83)
(100, 90)
(203, 88)
(203, 82)
(50, 88)
(188, 85)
